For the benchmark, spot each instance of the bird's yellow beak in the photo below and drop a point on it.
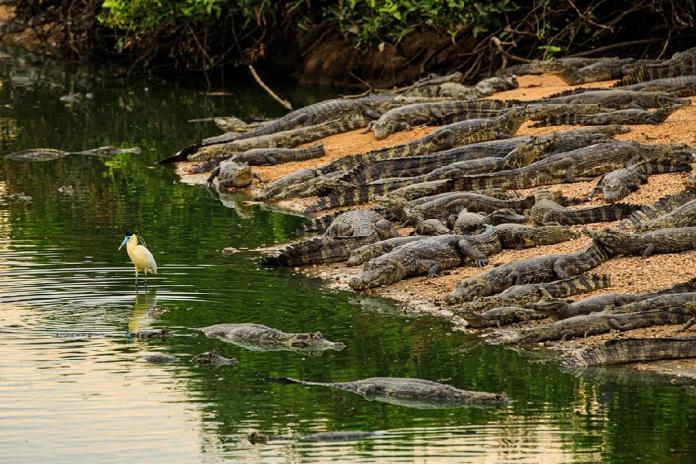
(125, 240)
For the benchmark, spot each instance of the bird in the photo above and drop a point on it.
(140, 256)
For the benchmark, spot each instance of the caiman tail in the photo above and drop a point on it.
(316, 250)
(604, 213)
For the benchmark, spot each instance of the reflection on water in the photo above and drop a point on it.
(74, 386)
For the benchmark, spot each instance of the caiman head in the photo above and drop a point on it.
(689, 182)
(384, 129)
(611, 239)
(467, 290)
(235, 174)
(614, 190)
(217, 330)
(378, 272)
(370, 391)
(213, 358)
(312, 340)
(505, 216)
(549, 306)
(431, 227)
(385, 229)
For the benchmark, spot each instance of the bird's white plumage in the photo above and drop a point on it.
(140, 256)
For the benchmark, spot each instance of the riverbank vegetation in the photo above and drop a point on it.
(396, 40)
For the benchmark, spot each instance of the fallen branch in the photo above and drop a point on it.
(284, 103)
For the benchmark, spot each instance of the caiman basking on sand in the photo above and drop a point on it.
(328, 111)
(680, 64)
(434, 113)
(412, 393)
(660, 310)
(645, 244)
(287, 139)
(257, 337)
(680, 86)
(231, 174)
(547, 211)
(427, 256)
(545, 145)
(546, 268)
(615, 98)
(582, 164)
(629, 116)
(50, 154)
(682, 216)
(267, 157)
(528, 294)
(367, 252)
(628, 350)
(618, 184)
(519, 236)
(663, 206)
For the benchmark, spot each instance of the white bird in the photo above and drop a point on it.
(140, 256)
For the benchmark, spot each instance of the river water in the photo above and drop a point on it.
(74, 386)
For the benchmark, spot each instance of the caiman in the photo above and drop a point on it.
(443, 205)
(680, 86)
(661, 207)
(629, 116)
(558, 309)
(682, 216)
(232, 174)
(213, 358)
(427, 256)
(49, 154)
(412, 393)
(615, 98)
(367, 252)
(529, 294)
(546, 268)
(499, 316)
(562, 309)
(559, 142)
(645, 244)
(519, 236)
(547, 211)
(582, 164)
(434, 113)
(255, 437)
(628, 350)
(680, 64)
(160, 358)
(467, 222)
(348, 231)
(257, 337)
(287, 139)
(661, 310)
(268, 157)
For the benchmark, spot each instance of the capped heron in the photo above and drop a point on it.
(140, 256)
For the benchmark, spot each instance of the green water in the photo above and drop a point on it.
(74, 387)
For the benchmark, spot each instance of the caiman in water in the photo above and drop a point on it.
(50, 154)
(257, 337)
(412, 393)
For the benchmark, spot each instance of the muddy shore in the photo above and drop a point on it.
(627, 274)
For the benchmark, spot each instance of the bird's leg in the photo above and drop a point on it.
(146, 280)
(136, 277)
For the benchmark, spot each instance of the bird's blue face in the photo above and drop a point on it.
(125, 240)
